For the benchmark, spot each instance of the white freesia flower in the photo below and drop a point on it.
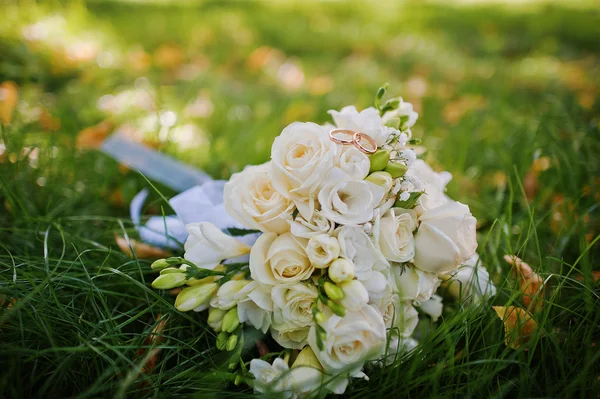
(367, 121)
(322, 250)
(318, 224)
(433, 307)
(279, 260)
(446, 238)
(471, 282)
(350, 340)
(250, 199)
(301, 157)
(353, 162)
(405, 113)
(355, 295)
(434, 185)
(357, 247)
(413, 284)
(206, 245)
(395, 234)
(225, 298)
(293, 305)
(255, 305)
(271, 378)
(347, 201)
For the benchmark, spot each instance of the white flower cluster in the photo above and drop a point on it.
(349, 245)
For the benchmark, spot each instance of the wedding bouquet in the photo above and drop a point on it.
(328, 250)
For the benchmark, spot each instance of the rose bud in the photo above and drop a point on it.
(379, 160)
(396, 169)
(341, 270)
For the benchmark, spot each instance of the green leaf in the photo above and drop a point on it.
(234, 231)
(409, 203)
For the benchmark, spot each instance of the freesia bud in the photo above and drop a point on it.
(169, 280)
(396, 169)
(215, 318)
(307, 358)
(320, 317)
(336, 308)
(356, 295)
(193, 297)
(231, 321)
(382, 179)
(322, 250)
(222, 340)
(231, 343)
(333, 291)
(379, 160)
(160, 264)
(169, 270)
(341, 270)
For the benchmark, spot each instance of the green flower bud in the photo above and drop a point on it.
(231, 321)
(379, 160)
(192, 297)
(396, 169)
(320, 317)
(160, 264)
(222, 340)
(170, 270)
(333, 291)
(169, 280)
(215, 318)
(238, 380)
(231, 343)
(336, 308)
(382, 179)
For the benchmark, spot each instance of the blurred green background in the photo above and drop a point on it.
(509, 100)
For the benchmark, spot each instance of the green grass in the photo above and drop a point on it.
(497, 88)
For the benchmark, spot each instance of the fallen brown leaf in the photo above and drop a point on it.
(92, 137)
(532, 284)
(142, 250)
(518, 325)
(9, 97)
(49, 122)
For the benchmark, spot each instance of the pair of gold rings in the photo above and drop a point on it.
(347, 137)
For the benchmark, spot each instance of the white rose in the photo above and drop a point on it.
(470, 283)
(397, 313)
(434, 185)
(293, 306)
(250, 199)
(367, 121)
(433, 307)
(405, 113)
(301, 157)
(394, 234)
(355, 295)
(322, 250)
(318, 224)
(413, 284)
(225, 298)
(446, 238)
(347, 201)
(255, 305)
(353, 162)
(279, 260)
(350, 340)
(206, 245)
(357, 247)
(293, 338)
(378, 285)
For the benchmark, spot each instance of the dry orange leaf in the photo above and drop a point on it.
(532, 284)
(530, 182)
(49, 123)
(92, 137)
(518, 325)
(142, 250)
(153, 338)
(9, 96)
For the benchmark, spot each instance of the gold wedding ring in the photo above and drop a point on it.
(334, 135)
(358, 137)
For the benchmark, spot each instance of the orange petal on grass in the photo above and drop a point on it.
(518, 325)
(92, 137)
(532, 284)
(154, 338)
(9, 97)
(142, 250)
